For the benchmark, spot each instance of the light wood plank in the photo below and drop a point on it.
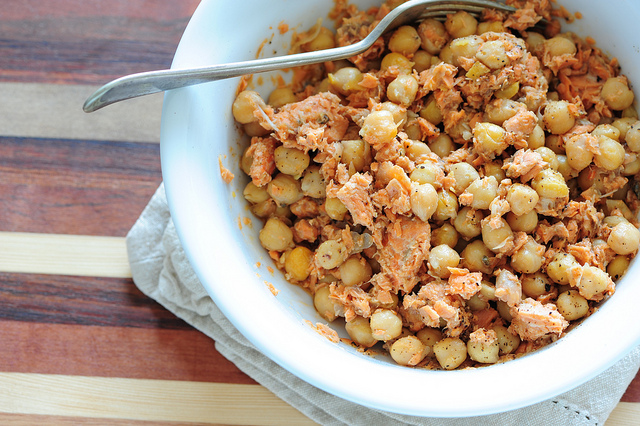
(150, 400)
(41, 110)
(625, 414)
(80, 255)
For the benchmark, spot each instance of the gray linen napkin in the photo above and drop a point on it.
(161, 270)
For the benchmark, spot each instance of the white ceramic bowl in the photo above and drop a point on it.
(198, 130)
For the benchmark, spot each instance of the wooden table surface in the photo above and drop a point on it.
(80, 344)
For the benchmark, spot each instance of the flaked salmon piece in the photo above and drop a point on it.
(533, 320)
(263, 162)
(355, 195)
(402, 246)
(484, 318)
(226, 174)
(306, 207)
(351, 301)
(354, 26)
(522, 19)
(304, 230)
(521, 125)
(441, 76)
(330, 160)
(327, 332)
(508, 287)
(393, 197)
(371, 87)
(525, 164)
(309, 124)
(545, 231)
(387, 171)
(464, 283)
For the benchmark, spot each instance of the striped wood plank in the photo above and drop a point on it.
(146, 400)
(65, 186)
(130, 352)
(63, 254)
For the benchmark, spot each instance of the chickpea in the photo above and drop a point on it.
(379, 128)
(483, 346)
(461, 24)
(394, 59)
(536, 284)
(484, 191)
(427, 172)
(463, 174)
(284, 189)
(559, 269)
(291, 161)
(623, 125)
(494, 169)
(608, 130)
(557, 117)
(616, 93)
(323, 303)
(355, 152)
(385, 324)
(521, 198)
(536, 138)
(611, 154)
(422, 60)
(624, 238)
(525, 223)
(618, 267)
(490, 26)
(441, 258)
(429, 337)
(489, 139)
(572, 305)
(495, 239)
(346, 80)
(450, 352)
(360, 332)
(431, 111)
(500, 110)
(550, 184)
(493, 54)
(331, 254)
(445, 234)
(298, 263)
(276, 235)
(433, 36)
(507, 341)
(417, 152)
(281, 96)
(254, 129)
(255, 194)
(559, 45)
(399, 112)
(424, 201)
(578, 155)
(245, 104)
(355, 271)
(324, 40)
(467, 223)
(632, 137)
(405, 40)
(403, 89)
(477, 257)
(529, 258)
(335, 209)
(447, 206)
(464, 47)
(442, 145)
(593, 282)
(408, 350)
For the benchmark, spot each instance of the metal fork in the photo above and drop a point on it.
(146, 83)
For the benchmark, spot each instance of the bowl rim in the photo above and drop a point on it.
(380, 381)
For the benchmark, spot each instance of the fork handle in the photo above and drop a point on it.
(146, 83)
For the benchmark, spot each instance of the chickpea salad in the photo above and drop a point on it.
(459, 194)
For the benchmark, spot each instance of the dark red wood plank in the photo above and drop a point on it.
(89, 42)
(75, 187)
(632, 393)
(57, 299)
(125, 352)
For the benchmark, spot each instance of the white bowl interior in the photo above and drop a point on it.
(220, 236)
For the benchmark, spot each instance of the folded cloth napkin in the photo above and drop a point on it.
(161, 270)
